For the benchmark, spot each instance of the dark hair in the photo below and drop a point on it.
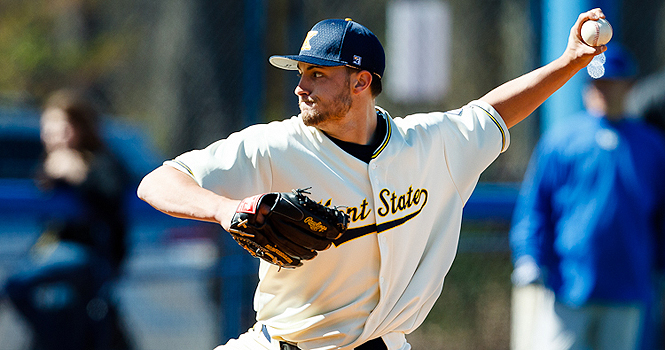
(376, 86)
(81, 113)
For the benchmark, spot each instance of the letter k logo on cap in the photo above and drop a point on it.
(305, 44)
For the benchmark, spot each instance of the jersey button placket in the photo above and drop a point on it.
(373, 172)
(383, 247)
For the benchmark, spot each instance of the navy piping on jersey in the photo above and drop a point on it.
(371, 151)
(503, 133)
(184, 166)
(386, 137)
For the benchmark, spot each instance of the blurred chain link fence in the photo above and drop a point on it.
(194, 71)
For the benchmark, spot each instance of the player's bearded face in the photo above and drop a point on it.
(317, 107)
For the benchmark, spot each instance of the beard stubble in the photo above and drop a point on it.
(336, 110)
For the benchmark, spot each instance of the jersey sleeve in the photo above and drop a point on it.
(236, 167)
(473, 137)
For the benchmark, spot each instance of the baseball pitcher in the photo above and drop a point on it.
(355, 214)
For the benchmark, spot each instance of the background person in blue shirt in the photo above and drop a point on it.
(589, 220)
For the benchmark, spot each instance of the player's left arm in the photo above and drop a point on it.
(518, 98)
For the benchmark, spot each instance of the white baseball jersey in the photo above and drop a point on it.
(405, 205)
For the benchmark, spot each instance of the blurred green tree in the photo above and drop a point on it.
(47, 44)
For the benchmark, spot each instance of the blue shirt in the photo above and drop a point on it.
(590, 211)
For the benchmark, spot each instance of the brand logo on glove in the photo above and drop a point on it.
(315, 226)
(249, 204)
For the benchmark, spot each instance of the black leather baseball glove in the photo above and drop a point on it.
(294, 230)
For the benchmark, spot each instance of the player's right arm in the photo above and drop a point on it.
(518, 98)
(175, 193)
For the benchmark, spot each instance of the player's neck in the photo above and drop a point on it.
(359, 125)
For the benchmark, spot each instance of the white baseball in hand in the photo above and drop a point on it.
(596, 33)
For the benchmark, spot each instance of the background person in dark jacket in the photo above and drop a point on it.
(63, 288)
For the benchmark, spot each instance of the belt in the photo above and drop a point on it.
(374, 344)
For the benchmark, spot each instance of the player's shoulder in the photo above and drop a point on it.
(276, 135)
(417, 127)
(417, 120)
(287, 124)
(274, 130)
(461, 119)
(425, 119)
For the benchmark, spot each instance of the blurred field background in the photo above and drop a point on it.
(193, 71)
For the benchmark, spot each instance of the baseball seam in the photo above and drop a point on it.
(597, 36)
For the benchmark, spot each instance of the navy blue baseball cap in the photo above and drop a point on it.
(338, 42)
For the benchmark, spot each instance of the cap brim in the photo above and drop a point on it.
(291, 62)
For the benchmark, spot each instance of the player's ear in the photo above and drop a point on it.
(362, 81)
